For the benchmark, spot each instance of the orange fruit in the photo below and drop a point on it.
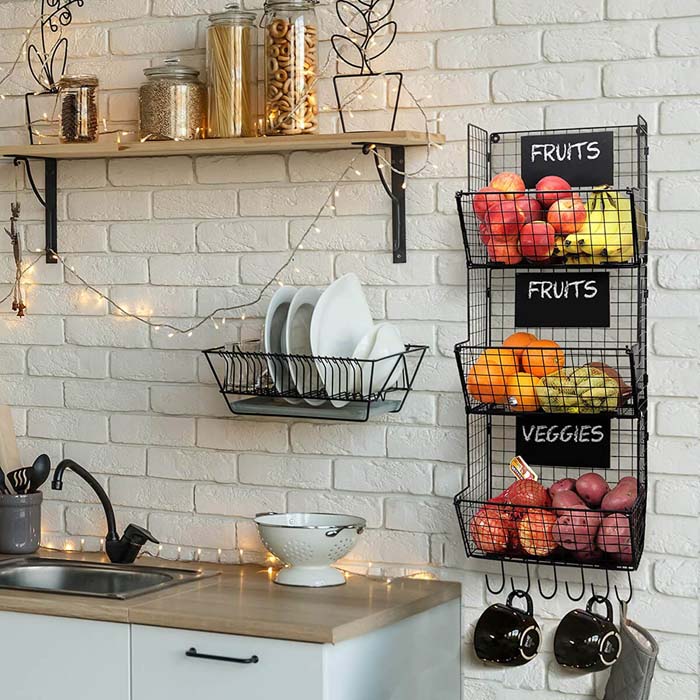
(522, 392)
(489, 375)
(519, 341)
(542, 357)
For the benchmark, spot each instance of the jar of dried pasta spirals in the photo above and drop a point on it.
(172, 103)
(291, 67)
(77, 96)
(232, 73)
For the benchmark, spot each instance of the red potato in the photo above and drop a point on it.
(614, 536)
(592, 489)
(562, 485)
(564, 501)
(577, 530)
(623, 496)
(588, 556)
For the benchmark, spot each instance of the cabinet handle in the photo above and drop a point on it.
(194, 654)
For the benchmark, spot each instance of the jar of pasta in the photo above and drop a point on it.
(291, 67)
(231, 73)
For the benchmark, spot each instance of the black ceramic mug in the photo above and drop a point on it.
(586, 640)
(507, 635)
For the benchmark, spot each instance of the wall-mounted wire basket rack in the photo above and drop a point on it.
(490, 526)
(327, 388)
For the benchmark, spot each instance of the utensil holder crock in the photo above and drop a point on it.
(20, 523)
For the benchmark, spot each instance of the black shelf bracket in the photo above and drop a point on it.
(49, 201)
(396, 192)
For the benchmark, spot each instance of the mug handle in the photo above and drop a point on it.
(521, 594)
(598, 599)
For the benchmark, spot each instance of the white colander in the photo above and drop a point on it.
(308, 543)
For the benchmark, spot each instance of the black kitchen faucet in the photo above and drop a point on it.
(120, 550)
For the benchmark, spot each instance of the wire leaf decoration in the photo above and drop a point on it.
(370, 35)
(53, 53)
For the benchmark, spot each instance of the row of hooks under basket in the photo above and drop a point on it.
(571, 596)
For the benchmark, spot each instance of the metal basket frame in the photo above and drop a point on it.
(623, 345)
(325, 379)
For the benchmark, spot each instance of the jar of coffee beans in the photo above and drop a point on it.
(291, 67)
(172, 103)
(77, 96)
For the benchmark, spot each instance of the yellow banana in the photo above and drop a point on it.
(594, 226)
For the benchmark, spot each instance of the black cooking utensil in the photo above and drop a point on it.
(40, 471)
(20, 480)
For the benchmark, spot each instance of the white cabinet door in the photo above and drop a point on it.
(57, 658)
(161, 668)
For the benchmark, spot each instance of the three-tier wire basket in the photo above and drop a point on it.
(592, 369)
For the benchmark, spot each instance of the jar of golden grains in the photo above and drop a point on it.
(232, 73)
(291, 67)
(77, 96)
(172, 103)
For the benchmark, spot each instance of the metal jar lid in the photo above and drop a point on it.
(77, 81)
(290, 4)
(233, 14)
(172, 68)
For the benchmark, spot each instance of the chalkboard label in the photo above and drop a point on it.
(583, 159)
(564, 300)
(564, 440)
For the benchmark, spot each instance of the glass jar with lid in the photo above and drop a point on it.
(172, 103)
(232, 73)
(291, 67)
(77, 96)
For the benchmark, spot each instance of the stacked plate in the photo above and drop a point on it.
(317, 342)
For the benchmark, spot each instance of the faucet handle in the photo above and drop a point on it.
(138, 535)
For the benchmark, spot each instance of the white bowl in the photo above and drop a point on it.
(384, 345)
(308, 543)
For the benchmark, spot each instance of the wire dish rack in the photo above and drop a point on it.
(568, 380)
(492, 528)
(301, 386)
(493, 233)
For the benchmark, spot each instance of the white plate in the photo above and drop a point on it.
(341, 319)
(298, 342)
(275, 325)
(383, 342)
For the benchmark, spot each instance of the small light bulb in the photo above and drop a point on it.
(170, 335)
(189, 335)
(242, 317)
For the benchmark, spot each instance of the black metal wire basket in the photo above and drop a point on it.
(516, 295)
(602, 224)
(553, 380)
(331, 388)
(523, 525)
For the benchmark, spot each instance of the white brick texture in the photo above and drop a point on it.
(174, 238)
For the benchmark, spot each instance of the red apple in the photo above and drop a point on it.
(537, 241)
(485, 234)
(551, 188)
(567, 215)
(531, 208)
(483, 199)
(510, 183)
(506, 250)
(505, 218)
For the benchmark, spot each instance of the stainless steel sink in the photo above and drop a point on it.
(97, 580)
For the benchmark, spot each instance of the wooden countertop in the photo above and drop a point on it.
(244, 600)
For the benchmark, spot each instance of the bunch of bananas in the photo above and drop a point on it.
(608, 234)
(582, 390)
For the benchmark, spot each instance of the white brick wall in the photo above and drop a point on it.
(177, 237)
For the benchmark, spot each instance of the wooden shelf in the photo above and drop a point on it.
(242, 146)
(395, 142)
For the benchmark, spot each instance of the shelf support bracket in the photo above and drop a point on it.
(396, 192)
(49, 201)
